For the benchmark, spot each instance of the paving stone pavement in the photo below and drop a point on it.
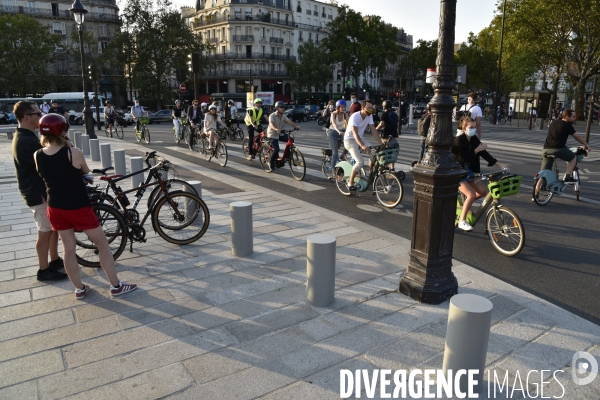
(206, 325)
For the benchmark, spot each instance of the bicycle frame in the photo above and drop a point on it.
(288, 147)
(472, 218)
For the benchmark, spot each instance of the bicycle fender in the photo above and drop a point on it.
(346, 167)
(548, 175)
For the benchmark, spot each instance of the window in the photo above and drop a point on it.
(248, 14)
(310, 36)
(262, 34)
(31, 6)
(208, 34)
(214, 3)
(102, 31)
(339, 88)
(286, 4)
(102, 46)
(55, 12)
(237, 13)
(59, 28)
(223, 34)
(223, 51)
(238, 50)
(300, 38)
(7, 5)
(101, 10)
(273, 50)
(287, 53)
(263, 50)
(248, 31)
(316, 9)
(277, 16)
(238, 31)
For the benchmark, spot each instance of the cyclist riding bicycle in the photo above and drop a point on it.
(231, 115)
(137, 112)
(556, 144)
(109, 116)
(277, 121)
(195, 117)
(210, 126)
(176, 114)
(252, 120)
(339, 120)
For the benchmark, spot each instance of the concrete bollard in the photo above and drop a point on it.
(119, 160)
(197, 185)
(85, 145)
(136, 164)
(320, 270)
(242, 241)
(77, 137)
(105, 155)
(469, 323)
(95, 149)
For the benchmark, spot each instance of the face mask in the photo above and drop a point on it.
(353, 99)
(472, 131)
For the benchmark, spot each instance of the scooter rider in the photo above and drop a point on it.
(252, 120)
(277, 121)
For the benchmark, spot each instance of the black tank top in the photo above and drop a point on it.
(177, 111)
(64, 183)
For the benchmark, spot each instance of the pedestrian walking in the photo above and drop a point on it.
(510, 115)
(476, 113)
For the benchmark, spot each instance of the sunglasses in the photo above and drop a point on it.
(39, 113)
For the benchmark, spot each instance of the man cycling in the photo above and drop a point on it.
(277, 121)
(231, 115)
(252, 120)
(109, 116)
(556, 145)
(195, 117)
(354, 140)
(137, 112)
(176, 114)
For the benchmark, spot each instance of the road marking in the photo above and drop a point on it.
(367, 207)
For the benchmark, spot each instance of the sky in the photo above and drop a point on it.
(419, 18)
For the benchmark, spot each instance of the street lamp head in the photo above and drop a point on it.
(78, 11)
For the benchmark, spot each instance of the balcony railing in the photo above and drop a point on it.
(243, 38)
(212, 40)
(252, 56)
(257, 18)
(44, 12)
(276, 40)
(246, 72)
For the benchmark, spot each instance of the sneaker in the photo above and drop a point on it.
(569, 179)
(80, 293)
(123, 288)
(56, 264)
(251, 156)
(352, 189)
(465, 226)
(50, 275)
(271, 168)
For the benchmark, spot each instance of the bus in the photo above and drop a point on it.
(8, 104)
(71, 100)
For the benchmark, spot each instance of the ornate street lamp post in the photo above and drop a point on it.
(78, 11)
(429, 277)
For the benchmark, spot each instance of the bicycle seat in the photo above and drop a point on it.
(109, 177)
(102, 171)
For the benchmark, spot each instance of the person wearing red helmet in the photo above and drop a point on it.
(69, 209)
(31, 186)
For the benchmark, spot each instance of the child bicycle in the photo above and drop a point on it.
(550, 185)
(386, 185)
(502, 225)
(143, 133)
(291, 154)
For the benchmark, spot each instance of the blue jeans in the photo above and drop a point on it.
(333, 136)
(275, 143)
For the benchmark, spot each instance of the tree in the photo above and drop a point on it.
(481, 63)
(26, 49)
(413, 66)
(313, 68)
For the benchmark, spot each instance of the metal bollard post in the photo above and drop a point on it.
(242, 241)
(320, 270)
(85, 145)
(105, 156)
(119, 157)
(77, 138)
(469, 322)
(95, 149)
(197, 185)
(137, 164)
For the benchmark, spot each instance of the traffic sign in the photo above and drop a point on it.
(182, 88)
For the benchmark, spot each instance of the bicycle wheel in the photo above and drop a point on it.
(340, 182)
(239, 132)
(106, 130)
(543, 196)
(325, 164)
(264, 156)
(118, 129)
(181, 218)
(577, 183)
(146, 134)
(388, 189)
(173, 185)
(246, 148)
(139, 135)
(114, 227)
(207, 152)
(505, 230)
(203, 145)
(186, 134)
(297, 164)
(221, 153)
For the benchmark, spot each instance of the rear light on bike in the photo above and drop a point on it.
(536, 176)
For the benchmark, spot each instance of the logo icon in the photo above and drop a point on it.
(580, 368)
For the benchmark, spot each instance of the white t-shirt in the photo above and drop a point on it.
(475, 110)
(361, 124)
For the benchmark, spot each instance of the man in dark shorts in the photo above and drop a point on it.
(556, 143)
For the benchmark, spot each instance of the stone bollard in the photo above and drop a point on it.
(85, 145)
(119, 160)
(95, 149)
(136, 164)
(469, 323)
(105, 155)
(320, 270)
(242, 241)
(197, 185)
(77, 137)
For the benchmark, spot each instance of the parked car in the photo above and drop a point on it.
(297, 114)
(101, 114)
(418, 111)
(75, 118)
(160, 116)
(129, 118)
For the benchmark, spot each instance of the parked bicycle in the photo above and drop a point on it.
(185, 131)
(386, 185)
(502, 225)
(143, 133)
(291, 155)
(179, 217)
(550, 184)
(117, 129)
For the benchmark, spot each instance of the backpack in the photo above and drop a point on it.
(465, 113)
(423, 124)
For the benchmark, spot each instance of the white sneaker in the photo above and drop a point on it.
(465, 226)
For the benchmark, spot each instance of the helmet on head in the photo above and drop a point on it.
(52, 125)
(107, 102)
(498, 107)
(212, 107)
(280, 104)
(230, 102)
(340, 103)
(203, 105)
(177, 101)
(387, 104)
(53, 101)
(258, 101)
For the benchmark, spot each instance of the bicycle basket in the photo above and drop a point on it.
(387, 156)
(144, 120)
(183, 120)
(505, 187)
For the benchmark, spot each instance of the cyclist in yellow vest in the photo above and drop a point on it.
(252, 120)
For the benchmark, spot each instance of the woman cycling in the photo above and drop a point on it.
(467, 148)
(210, 126)
(337, 127)
(62, 169)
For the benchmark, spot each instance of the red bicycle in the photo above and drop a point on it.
(258, 140)
(291, 153)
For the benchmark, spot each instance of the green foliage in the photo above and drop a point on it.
(481, 62)
(313, 68)
(26, 48)
(413, 66)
